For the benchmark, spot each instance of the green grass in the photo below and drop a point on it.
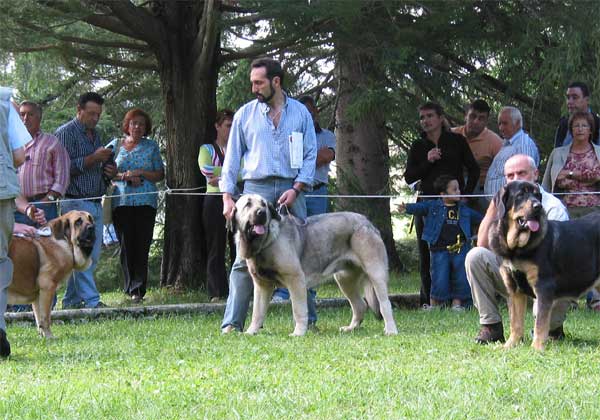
(182, 368)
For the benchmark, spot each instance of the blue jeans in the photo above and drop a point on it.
(317, 205)
(81, 287)
(50, 210)
(241, 287)
(449, 277)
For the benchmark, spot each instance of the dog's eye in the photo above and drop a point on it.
(78, 222)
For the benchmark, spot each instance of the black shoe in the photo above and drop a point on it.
(100, 305)
(4, 345)
(490, 333)
(556, 334)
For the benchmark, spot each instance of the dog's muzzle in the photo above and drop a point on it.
(532, 222)
(87, 237)
(257, 226)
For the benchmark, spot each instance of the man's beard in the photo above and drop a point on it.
(262, 98)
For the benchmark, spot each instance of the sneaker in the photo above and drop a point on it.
(136, 299)
(428, 307)
(458, 308)
(594, 306)
(277, 298)
(490, 333)
(228, 329)
(99, 305)
(4, 345)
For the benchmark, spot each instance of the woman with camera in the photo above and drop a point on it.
(139, 168)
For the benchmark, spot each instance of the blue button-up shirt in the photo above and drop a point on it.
(265, 148)
(325, 139)
(519, 144)
(85, 182)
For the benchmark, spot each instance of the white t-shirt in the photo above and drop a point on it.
(555, 209)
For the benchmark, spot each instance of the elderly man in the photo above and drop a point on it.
(262, 134)
(91, 172)
(45, 174)
(483, 266)
(516, 141)
(13, 136)
(578, 99)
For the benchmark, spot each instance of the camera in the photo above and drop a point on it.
(110, 160)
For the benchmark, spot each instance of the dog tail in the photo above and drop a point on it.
(372, 300)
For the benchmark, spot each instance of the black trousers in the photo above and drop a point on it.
(424, 261)
(134, 226)
(216, 237)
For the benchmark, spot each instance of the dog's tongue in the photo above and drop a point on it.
(533, 225)
(259, 229)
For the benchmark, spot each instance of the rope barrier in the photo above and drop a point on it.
(191, 192)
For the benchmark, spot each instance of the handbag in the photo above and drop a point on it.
(107, 210)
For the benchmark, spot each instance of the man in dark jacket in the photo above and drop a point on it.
(578, 99)
(437, 152)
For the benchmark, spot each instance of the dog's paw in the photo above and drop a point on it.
(391, 331)
(538, 345)
(347, 329)
(512, 342)
(298, 333)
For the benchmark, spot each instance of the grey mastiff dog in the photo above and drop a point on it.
(281, 250)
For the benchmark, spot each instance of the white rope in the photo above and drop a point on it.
(190, 191)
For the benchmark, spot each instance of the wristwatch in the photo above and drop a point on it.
(570, 175)
(51, 197)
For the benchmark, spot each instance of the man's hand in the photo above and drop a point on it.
(402, 207)
(288, 197)
(24, 229)
(214, 181)
(228, 206)
(35, 214)
(110, 170)
(434, 154)
(102, 154)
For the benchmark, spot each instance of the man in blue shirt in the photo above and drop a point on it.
(261, 135)
(13, 137)
(92, 168)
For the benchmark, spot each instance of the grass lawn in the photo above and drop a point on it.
(181, 367)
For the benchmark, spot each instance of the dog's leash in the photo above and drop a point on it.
(45, 231)
(296, 220)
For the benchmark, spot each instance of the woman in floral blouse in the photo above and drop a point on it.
(576, 168)
(139, 168)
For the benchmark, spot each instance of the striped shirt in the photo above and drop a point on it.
(46, 166)
(519, 144)
(210, 164)
(265, 148)
(85, 182)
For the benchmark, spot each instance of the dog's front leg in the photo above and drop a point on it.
(517, 305)
(298, 296)
(262, 297)
(41, 310)
(542, 321)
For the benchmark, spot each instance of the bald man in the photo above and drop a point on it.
(483, 266)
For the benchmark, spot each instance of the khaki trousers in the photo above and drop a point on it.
(483, 274)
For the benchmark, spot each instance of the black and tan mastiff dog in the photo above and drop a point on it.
(545, 259)
(281, 250)
(42, 263)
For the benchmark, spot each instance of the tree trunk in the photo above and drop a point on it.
(189, 88)
(362, 155)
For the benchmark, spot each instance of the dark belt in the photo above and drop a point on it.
(94, 200)
(36, 197)
(319, 185)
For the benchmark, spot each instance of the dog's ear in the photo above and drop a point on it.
(58, 228)
(61, 228)
(232, 222)
(274, 214)
(500, 201)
